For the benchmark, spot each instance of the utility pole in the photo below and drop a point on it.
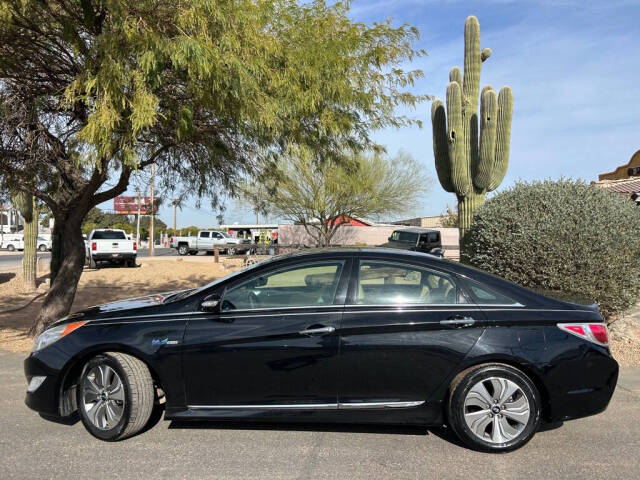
(153, 173)
(138, 221)
(175, 215)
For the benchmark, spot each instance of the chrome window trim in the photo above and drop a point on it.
(368, 405)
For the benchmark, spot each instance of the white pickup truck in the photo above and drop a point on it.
(112, 246)
(16, 242)
(207, 240)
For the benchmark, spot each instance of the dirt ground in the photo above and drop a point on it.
(101, 286)
(156, 275)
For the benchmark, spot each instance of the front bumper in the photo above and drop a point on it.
(45, 399)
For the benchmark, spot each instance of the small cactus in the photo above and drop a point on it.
(26, 205)
(471, 164)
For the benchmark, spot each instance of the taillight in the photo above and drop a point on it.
(135, 246)
(171, 240)
(94, 246)
(593, 332)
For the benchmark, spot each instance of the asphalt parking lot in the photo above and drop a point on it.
(603, 446)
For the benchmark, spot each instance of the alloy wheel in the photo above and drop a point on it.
(103, 397)
(496, 410)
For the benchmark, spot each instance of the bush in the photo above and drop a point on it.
(564, 237)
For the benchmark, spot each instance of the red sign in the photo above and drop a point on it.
(129, 205)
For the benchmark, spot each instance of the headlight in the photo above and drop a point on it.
(55, 333)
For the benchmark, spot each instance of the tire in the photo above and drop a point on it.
(42, 248)
(507, 425)
(231, 251)
(11, 248)
(183, 250)
(130, 396)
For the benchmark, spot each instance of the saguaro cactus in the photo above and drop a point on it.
(26, 205)
(471, 164)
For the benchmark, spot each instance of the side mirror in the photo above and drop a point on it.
(211, 303)
(390, 239)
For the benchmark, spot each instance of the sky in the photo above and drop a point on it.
(573, 66)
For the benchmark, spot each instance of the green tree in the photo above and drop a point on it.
(563, 237)
(319, 194)
(207, 90)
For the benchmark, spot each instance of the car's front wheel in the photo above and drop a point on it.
(115, 396)
(42, 248)
(494, 408)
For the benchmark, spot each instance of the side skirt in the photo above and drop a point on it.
(403, 413)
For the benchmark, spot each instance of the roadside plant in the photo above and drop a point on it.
(564, 237)
(26, 204)
(320, 194)
(94, 91)
(471, 160)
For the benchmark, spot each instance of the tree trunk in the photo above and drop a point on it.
(60, 297)
(467, 205)
(56, 251)
(30, 258)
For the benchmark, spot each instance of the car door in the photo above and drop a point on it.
(273, 343)
(205, 242)
(405, 329)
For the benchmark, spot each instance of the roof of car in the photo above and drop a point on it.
(353, 251)
(415, 230)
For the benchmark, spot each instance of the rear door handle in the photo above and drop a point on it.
(458, 321)
(317, 331)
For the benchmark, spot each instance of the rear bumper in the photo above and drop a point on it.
(582, 387)
(113, 257)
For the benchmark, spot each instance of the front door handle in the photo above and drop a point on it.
(458, 321)
(317, 331)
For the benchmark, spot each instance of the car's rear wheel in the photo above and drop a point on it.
(42, 248)
(183, 250)
(11, 248)
(115, 396)
(494, 407)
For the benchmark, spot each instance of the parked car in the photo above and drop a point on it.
(13, 242)
(112, 246)
(16, 242)
(207, 240)
(352, 335)
(416, 239)
(43, 244)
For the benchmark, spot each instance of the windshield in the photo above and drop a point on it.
(109, 235)
(404, 237)
(225, 234)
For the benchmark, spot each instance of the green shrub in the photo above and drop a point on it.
(565, 237)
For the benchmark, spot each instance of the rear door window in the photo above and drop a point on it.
(390, 283)
(204, 234)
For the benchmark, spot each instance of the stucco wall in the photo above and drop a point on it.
(369, 236)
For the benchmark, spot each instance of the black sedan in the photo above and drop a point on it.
(362, 335)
